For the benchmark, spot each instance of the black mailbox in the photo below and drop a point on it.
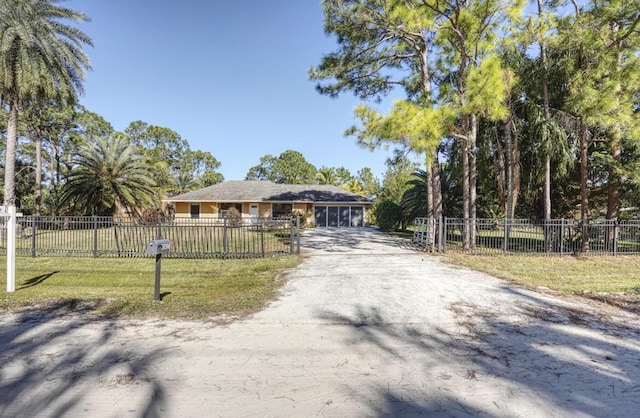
(158, 247)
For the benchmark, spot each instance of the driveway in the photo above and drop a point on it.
(365, 327)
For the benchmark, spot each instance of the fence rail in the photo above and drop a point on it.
(523, 236)
(94, 236)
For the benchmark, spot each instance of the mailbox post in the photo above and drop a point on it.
(158, 247)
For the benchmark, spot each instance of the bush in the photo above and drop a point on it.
(388, 215)
(234, 218)
(303, 217)
(150, 217)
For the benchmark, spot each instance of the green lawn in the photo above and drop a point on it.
(192, 289)
(567, 274)
(202, 289)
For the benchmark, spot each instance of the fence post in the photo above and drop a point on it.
(291, 232)
(440, 229)
(34, 230)
(423, 233)
(616, 227)
(224, 238)
(505, 244)
(95, 236)
(444, 241)
(562, 237)
(262, 236)
(298, 234)
(159, 229)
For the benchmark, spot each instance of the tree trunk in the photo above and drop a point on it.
(615, 149)
(510, 169)
(549, 233)
(515, 174)
(464, 150)
(10, 156)
(545, 104)
(613, 191)
(499, 168)
(437, 186)
(473, 179)
(429, 186)
(546, 195)
(584, 187)
(547, 187)
(55, 176)
(434, 189)
(434, 196)
(37, 204)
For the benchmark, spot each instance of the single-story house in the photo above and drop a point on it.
(322, 205)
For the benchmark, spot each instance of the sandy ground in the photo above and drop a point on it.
(364, 328)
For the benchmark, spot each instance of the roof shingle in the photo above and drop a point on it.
(265, 191)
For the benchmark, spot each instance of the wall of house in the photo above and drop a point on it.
(265, 210)
(211, 210)
(182, 210)
(208, 210)
(306, 210)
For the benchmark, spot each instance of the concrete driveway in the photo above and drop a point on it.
(365, 327)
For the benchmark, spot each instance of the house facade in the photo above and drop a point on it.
(321, 205)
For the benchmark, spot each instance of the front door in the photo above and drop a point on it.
(254, 211)
(195, 210)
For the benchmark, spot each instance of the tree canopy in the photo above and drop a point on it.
(290, 167)
(110, 177)
(41, 58)
(512, 99)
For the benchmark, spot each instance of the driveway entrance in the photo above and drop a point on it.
(364, 327)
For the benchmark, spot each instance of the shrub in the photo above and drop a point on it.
(388, 215)
(303, 216)
(234, 218)
(150, 217)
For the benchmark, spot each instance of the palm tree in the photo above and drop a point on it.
(414, 200)
(40, 58)
(109, 176)
(355, 187)
(326, 175)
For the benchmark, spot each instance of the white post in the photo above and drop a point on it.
(11, 249)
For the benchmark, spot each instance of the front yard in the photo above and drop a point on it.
(613, 280)
(190, 289)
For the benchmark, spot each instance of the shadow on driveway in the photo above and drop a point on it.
(566, 357)
(57, 377)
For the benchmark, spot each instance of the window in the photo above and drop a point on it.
(195, 210)
(224, 208)
(279, 210)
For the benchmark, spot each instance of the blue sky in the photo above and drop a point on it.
(231, 77)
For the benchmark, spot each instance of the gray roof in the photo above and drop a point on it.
(266, 191)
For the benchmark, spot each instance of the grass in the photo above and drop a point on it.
(190, 289)
(401, 233)
(569, 274)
